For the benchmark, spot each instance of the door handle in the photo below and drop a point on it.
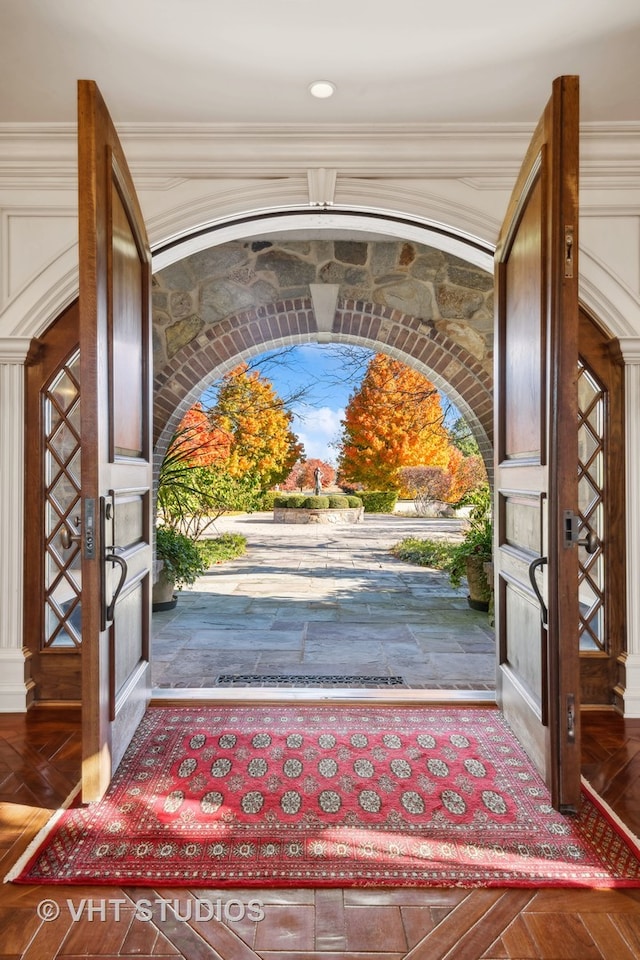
(67, 538)
(122, 563)
(533, 566)
(571, 537)
(590, 542)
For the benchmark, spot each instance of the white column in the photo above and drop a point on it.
(13, 692)
(630, 354)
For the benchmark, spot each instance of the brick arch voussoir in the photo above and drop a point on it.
(222, 345)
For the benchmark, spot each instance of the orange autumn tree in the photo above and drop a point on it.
(255, 418)
(393, 420)
(198, 442)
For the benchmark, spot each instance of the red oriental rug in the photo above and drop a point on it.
(330, 796)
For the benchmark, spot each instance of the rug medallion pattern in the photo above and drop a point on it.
(327, 796)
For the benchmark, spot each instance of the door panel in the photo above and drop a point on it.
(601, 493)
(53, 587)
(115, 269)
(536, 450)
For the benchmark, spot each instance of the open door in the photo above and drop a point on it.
(536, 500)
(116, 523)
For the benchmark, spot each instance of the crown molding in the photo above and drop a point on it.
(14, 349)
(486, 155)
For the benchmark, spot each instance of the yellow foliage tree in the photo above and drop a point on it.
(394, 420)
(251, 413)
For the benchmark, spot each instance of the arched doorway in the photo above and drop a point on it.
(424, 342)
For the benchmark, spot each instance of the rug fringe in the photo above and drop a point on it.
(631, 838)
(41, 835)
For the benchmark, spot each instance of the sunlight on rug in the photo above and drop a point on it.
(330, 796)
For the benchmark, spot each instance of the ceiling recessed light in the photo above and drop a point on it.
(322, 89)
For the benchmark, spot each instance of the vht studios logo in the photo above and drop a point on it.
(159, 909)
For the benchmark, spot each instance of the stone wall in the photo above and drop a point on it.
(305, 515)
(449, 294)
(423, 306)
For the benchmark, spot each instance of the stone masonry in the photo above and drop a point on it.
(416, 303)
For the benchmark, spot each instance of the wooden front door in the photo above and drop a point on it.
(116, 527)
(536, 501)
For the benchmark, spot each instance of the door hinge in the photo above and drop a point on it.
(568, 251)
(571, 717)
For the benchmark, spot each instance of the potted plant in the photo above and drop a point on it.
(182, 563)
(470, 557)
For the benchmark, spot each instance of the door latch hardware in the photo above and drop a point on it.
(571, 535)
(89, 528)
(70, 534)
(571, 718)
(568, 251)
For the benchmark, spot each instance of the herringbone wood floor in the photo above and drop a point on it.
(39, 765)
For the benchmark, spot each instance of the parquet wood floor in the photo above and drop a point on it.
(39, 766)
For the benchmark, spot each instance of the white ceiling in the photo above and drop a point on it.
(251, 61)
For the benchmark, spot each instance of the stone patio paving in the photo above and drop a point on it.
(324, 606)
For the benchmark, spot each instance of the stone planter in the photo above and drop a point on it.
(479, 589)
(163, 596)
(311, 515)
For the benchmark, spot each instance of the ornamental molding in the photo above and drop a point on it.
(486, 156)
(13, 350)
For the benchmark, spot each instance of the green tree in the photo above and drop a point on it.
(463, 438)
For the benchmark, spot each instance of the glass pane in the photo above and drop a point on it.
(63, 442)
(74, 468)
(595, 419)
(588, 644)
(588, 496)
(74, 367)
(587, 443)
(63, 494)
(73, 417)
(587, 390)
(63, 390)
(595, 470)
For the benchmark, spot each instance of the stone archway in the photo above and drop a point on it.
(420, 304)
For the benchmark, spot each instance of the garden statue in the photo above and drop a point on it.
(318, 478)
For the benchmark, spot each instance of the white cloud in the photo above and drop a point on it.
(318, 428)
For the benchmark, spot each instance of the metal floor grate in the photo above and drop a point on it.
(306, 680)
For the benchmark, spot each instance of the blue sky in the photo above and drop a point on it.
(315, 381)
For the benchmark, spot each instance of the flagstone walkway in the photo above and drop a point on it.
(324, 606)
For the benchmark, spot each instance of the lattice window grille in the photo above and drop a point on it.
(592, 420)
(62, 478)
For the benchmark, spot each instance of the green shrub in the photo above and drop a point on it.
(478, 538)
(316, 503)
(426, 553)
(354, 501)
(379, 501)
(337, 502)
(282, 500)
(296, 500)
(227, 546)
(266, 500)
(183, 562)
